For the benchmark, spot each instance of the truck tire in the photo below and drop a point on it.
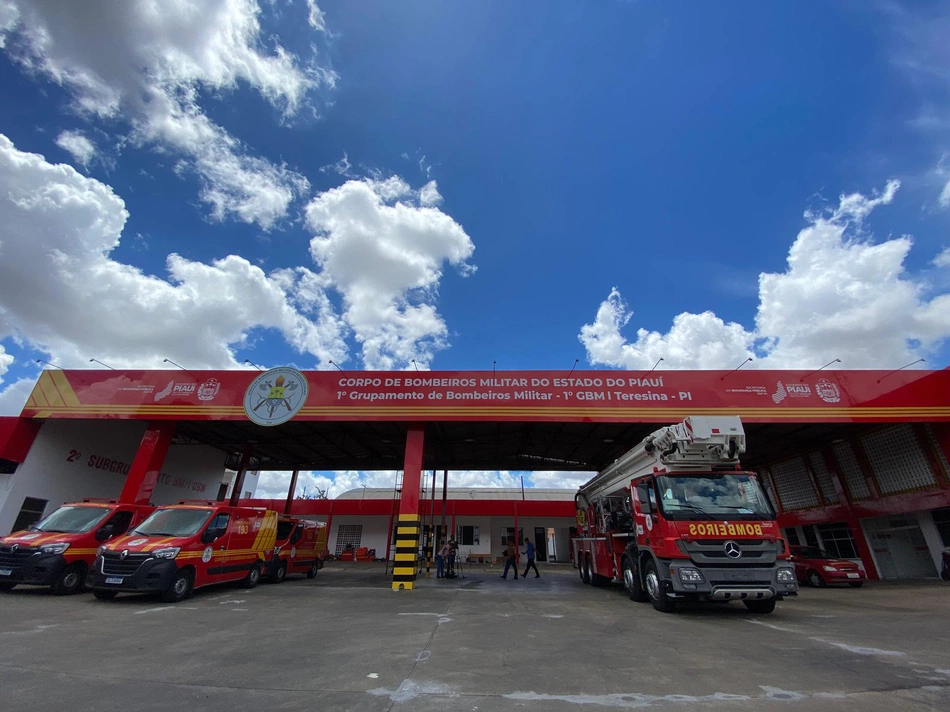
(580, 567)
(815, 579)
(631, 581)
(281, 572)
(585, 569)
(253, 576)
(766, 606)
(312, 573)
(70, 581)
(104, 595)
(655, 589)
(180, 587)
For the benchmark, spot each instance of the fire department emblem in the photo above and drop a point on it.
(209, 389)
(293, 551)
(207, 554)
(137, 542)
(828, 391)
(275, 396)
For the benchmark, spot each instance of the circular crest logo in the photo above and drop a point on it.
(137, 542)
(293, 551)
(207, 554)
(275, 396)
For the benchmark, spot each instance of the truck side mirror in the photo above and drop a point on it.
(107, 532)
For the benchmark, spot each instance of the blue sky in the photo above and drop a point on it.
(468, 182)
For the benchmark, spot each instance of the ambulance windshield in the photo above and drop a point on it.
(72, 520)
(713, 497)
(173, 522)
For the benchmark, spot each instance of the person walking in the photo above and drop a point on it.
(531, 553)
(510, 562)
(440, 558)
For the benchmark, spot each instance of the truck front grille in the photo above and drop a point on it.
(14, 559)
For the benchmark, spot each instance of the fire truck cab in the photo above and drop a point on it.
(186, 546)
(299, 548)
(675, 518)
(58, 550)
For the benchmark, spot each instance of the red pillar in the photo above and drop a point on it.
(140, 482)
(854, 522)
(517, 543)
(409, 522)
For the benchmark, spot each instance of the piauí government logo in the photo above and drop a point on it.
(275, 396)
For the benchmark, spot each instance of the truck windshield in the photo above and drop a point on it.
(173, 522)
(713, 497)
(72, 520)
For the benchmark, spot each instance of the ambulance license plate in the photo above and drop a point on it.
(114, 579)
(853, 576)
(6, 572)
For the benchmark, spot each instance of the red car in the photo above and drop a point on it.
(819, 568)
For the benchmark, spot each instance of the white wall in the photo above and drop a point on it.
(373, 535)
(72, 459)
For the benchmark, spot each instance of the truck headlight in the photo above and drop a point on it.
(785, 575)
(691, 575)
(54, 548)
(829, 568)
(168, 553)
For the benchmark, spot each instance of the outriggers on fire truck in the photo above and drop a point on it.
(676, 518)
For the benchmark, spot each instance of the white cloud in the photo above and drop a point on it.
(78, 146)
(63, 225)
(943, 259)
(383, 250)
(149, 64)
(315, 16)
(841, 296)
(13, 397)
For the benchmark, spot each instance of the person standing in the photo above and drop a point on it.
(452, 555)
(531, 553)
(440, 558)
(510, 562)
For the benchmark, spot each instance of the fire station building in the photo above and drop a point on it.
(855, 461)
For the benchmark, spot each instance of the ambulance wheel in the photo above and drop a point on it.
(71, 580)
(312, 573)
(180, 587)
(281, 573)
(631, 582)
(761, 606)
(6, 585)
(253, 576)
(655, 590)
(585, 574)
(105, 595)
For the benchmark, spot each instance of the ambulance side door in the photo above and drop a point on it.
(299, 547)
(217, 537)
(644, 509)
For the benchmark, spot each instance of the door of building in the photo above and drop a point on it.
(900, 548)
(541, 543)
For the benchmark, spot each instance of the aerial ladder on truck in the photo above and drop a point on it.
(676, 518)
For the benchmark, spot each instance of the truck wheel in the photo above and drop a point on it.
(105, 595)
(71, 580)
(655, 590)
(761, 606)
(815, 579)
(581, 559)
(253, 576)
(180, 587)
(585, 570)
(6, 585)
(312, 573)
(631, 581)
(281, 573)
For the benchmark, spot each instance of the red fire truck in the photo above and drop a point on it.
(676, 518)
(300, 548)
(58, 550)
(186, 546)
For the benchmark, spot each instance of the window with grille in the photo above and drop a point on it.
(766, 480)
(853, 476)
(837, 540)
(30, 513)
(937, 449)
(794, 486)
(348, 537)
(823, 477)
(898, 463)
(468, 536)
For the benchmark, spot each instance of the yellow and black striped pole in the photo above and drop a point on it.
(409, 522)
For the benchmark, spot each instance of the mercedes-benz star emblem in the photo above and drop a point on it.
(732, 550)
(125, 552)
